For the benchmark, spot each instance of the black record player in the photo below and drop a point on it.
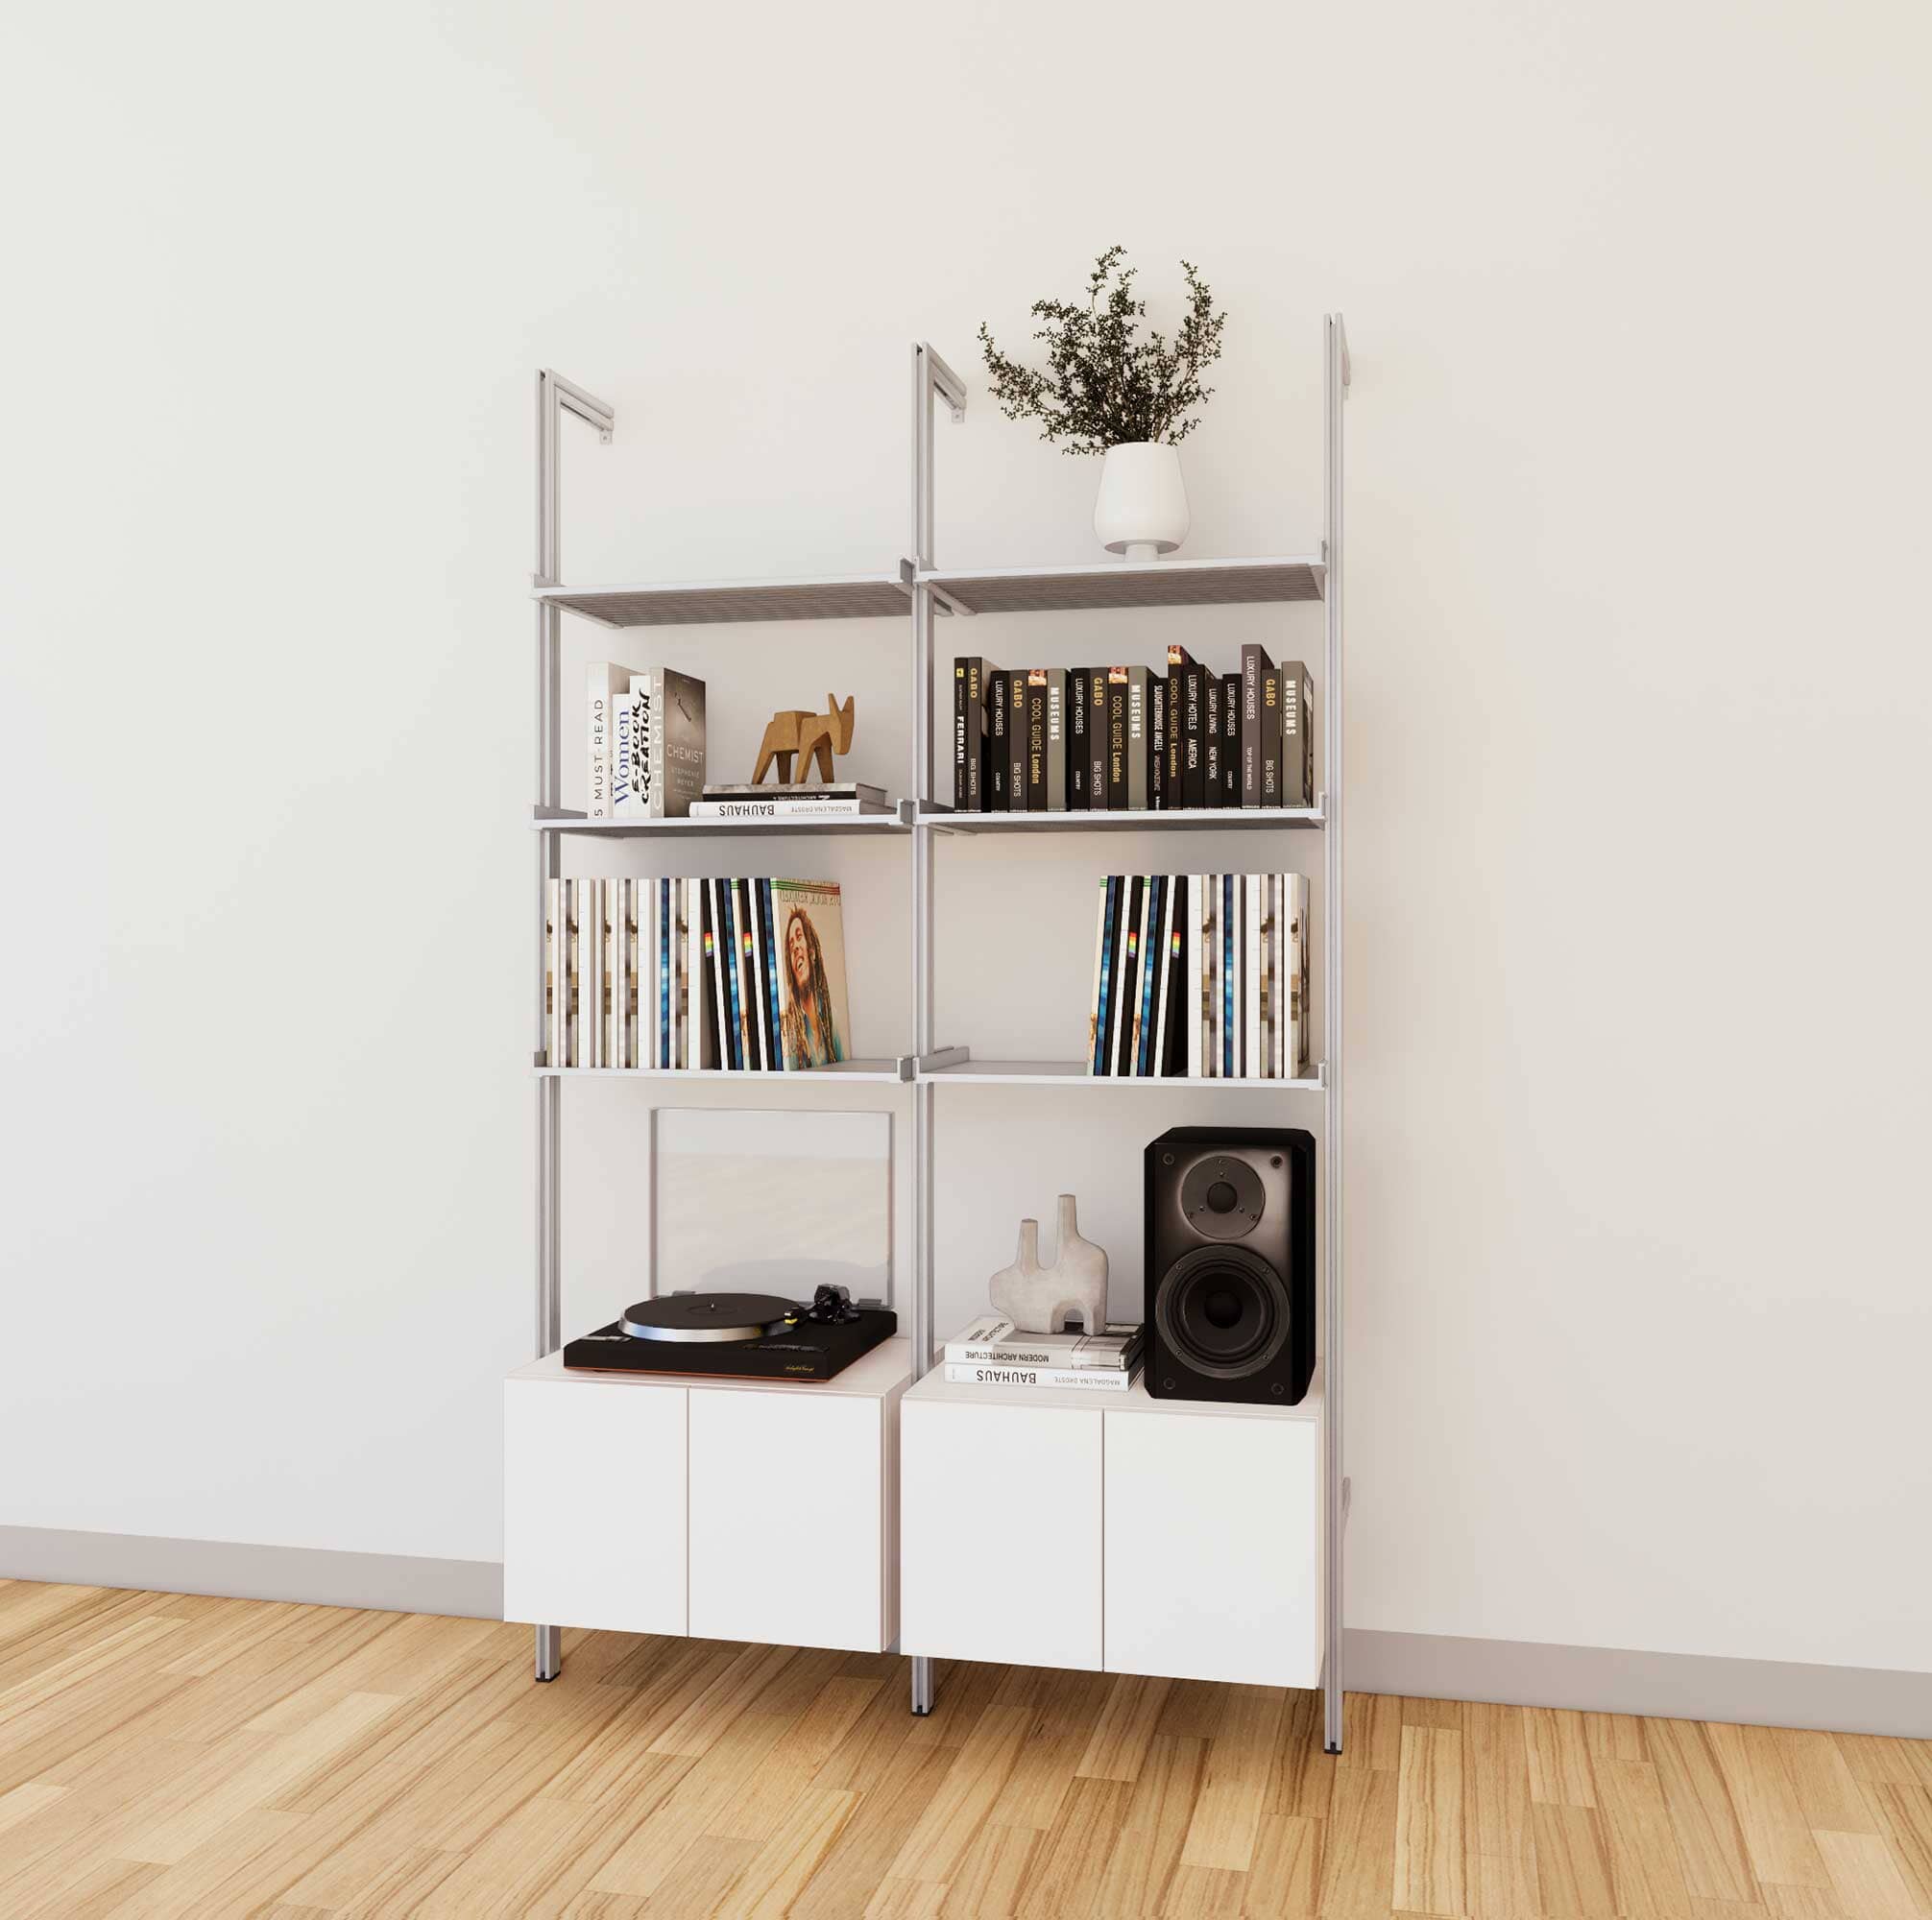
(737, 1335)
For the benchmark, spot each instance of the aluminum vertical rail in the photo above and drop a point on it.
(1335, 1503)
(931, 377)
(555, 396)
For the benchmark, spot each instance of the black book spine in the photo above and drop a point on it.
(1127, 980)
(1117, 738)
(1096, 739)
(1016, 743)
(1036, 741)
(997, 801)
(1078, 694)
(1157, 741)
(1230, 741)
(1175, 792)
(968, 747)
(1211, 782)
(1271, 736)
(1193, 766)
(1253, 662)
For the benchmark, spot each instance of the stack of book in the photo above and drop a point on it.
(830, 799)
(646, 742)
(1086, 739)
(990, 1352)
(1201, 977)
(670, 974)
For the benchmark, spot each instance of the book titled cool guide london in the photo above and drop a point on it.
(646, 742)
(1201, 977)
(1144, 739)
(688, 974)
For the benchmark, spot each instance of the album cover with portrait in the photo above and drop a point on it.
(814, 1021)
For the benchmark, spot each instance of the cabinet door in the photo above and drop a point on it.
(1213, 1549)
(593, 1505)
(789, 1534)
(1000, 1523)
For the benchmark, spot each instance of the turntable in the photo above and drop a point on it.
(737, 1335)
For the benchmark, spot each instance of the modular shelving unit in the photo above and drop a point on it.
(918, 588)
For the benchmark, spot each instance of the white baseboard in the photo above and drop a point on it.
(1662, 1685)
(1431, 1667)
(392, 1582)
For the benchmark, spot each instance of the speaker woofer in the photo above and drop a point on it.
(1222, 1311)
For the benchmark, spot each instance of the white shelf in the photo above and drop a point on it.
(1157, 583)
(698, 603)
(896, 821)
(934, 1385)
(1192, 819)
(1074, 1073)
(868, 1071)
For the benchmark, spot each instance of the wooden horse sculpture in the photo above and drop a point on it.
(807, 738)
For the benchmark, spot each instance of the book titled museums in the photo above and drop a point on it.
(687, 975)
(1137, 738)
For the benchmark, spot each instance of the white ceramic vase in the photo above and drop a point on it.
(1142, 508)
(1047, 1299)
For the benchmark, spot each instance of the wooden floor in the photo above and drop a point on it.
(170, 1756)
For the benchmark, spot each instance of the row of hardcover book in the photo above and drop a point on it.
(1201, 977)
(990, 1351)
(1085, 739)
(745, 975)
(646, 742)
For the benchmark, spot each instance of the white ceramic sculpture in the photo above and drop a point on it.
(1047, 1299)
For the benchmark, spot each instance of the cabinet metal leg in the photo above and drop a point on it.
(922, 1684)
(549, 1652)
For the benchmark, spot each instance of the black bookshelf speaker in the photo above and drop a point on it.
(1230, 1264)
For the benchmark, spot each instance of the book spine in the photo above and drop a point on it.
(597, 792)
(1230, 741)
(1157, 741)
(1016, 743)
(1117, 738)
(1057, 739)
(1297, 735)
(1045, 1379)
(1163, 1027)
(1271, 736)
(748, 971)
(1230, 979)
(1036, 740)
(959, 735)
(1253, 660)
(553, 973)
(1095, 1010)
(788, 809)
(617, 968)
(646, 782)
(1298, 1038)
(1211, 781)
(621, 801)
(698, 1029)
(1193, 735)
(1152, 947)
(976, 737)
(981, 1354)
(1177, 660)
(1097, 739)
(765, 916)
(1078, 695)
(1196, 896)
(1250, 975)
(1138, 739)
(996, 708)
(1129, 978)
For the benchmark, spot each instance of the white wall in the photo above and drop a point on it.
(1640, 711)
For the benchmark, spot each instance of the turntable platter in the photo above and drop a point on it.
(708, 1317)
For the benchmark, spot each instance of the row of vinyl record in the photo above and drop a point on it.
(1202, 977)
(737, 974)
(1084, 739)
